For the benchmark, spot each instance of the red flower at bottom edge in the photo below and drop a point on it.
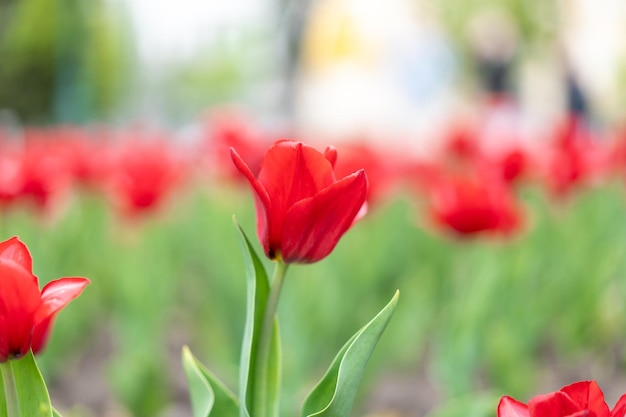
(580, 399)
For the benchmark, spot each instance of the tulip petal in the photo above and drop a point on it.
(261, 200)
(54, 296)
(313, 226)
(510, 407)
(588, 395)
(14, 250)
(292, 171)
(555, 404)
(331, 154)
(19, 301)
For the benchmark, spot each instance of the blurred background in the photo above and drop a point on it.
(492, 133)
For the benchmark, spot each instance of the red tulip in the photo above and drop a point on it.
(472, 147)
(384, 169)
(229, 129)
(580, 399)
(574, 156)
(11, 178)
(470, 205)
(302, 209)
(142, 174)
(40, 169)
(26, 314)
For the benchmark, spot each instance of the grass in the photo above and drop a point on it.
(480, 315)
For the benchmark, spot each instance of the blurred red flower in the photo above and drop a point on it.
(466, 147)
(142, 173)
(384, 169)
(85, 154)
(573, 156)
(26, 314)
(229, 129)
(580, 399)
(469, 205)
(11, 178)
(511, 163)
(302, 209)
(34, 169)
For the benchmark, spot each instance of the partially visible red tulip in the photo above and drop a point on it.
(228, 129)
(384, 170)
(462, 142)
(580, 399)
(141, 174)
(11, 178)
(467, 146)
(26, 314)
(618, 150)
(471, 205)
(43, 170)
(302, 209)
(573, 156)
(511, 163)
(86, 154)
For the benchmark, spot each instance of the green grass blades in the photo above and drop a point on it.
(250, 374)
(33, 399)
(209, 397)
(334, 394)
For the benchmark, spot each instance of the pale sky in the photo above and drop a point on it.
(166, 27)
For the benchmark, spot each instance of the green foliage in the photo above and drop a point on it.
(30, 389)
(481, 313)
(61, 60)
(208, 394)
(27, 56)
(335, 393)
(252, 373)
(225, 70)
(481, 405)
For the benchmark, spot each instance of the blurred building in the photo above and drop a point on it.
(373, 69)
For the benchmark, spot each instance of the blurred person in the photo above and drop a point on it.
(592, 34)
(494, 42)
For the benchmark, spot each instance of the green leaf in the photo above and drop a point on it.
(258, 288)
(32, 395)
(209, 397)
(3, 403)
(55, 413)
(334, 394)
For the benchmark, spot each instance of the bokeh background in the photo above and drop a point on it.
(492, 132)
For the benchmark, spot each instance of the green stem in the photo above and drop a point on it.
(265, 340)
(10, 389)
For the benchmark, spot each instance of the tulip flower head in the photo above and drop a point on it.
(469, 206)
(143, 174)
(302, 209)
(26, 314)
(579, 399)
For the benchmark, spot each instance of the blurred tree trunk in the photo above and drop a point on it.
(292, 17)
(60, 60)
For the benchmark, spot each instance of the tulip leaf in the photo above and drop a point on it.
(32, 395)
(258, 288)
(209, 396)
(3, 402)
(334, 394)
